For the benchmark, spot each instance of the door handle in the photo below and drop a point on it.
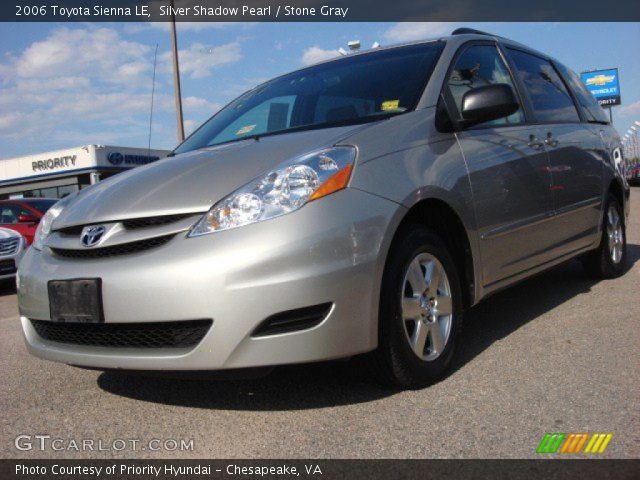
(535, 143)
(552, 142)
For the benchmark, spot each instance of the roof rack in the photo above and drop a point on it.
(464, 30)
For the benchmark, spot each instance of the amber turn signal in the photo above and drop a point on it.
(335, 182)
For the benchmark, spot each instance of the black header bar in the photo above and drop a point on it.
(318, 10)
(318, 469)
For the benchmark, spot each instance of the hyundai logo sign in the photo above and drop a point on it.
(117, 158)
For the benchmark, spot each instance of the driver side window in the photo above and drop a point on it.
(478, 66)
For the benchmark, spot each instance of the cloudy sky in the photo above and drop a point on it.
(64, 85)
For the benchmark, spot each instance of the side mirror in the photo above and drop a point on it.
(24, 218)
(491, 102)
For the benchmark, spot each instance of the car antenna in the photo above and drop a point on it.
(153, 91)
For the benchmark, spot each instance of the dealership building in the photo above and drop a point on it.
(61, 172)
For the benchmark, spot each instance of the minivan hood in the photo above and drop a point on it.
(191, 182)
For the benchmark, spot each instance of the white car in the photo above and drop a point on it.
(12, 247)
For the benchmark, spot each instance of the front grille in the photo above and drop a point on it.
(9, 246)
(122, 249)
(135, 223)
(131, 224)
(75, 230)
(125, 335)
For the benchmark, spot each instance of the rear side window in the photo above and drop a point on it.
(590, 106)
(477, 66)
(550, 99)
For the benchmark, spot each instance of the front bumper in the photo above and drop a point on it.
(331, 250)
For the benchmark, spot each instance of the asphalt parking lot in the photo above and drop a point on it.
(557, 353)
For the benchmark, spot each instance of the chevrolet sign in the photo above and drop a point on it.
(600, 80)
(604, 86)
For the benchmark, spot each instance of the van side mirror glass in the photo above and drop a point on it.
(489, 102)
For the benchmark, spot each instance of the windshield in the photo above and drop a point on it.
(354, 89)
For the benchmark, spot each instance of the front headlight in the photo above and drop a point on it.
(281, 191)
(46, 222)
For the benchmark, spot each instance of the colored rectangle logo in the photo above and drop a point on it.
(604, 85)
(574, 443)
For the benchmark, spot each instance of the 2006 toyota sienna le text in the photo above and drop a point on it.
(358, 205)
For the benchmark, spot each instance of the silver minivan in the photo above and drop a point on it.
(360, 205)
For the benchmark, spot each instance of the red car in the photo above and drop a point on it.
(633, 175)
(24, 214)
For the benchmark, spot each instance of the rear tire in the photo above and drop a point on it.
(609, 259)
(419, 325)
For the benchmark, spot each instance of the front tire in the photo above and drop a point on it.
(609, 259)
(420, 310)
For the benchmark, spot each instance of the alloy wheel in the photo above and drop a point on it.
(615, 234)
(427, 307)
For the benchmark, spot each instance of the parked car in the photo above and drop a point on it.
(633, 174)
(360, 205)
(12, 247)
(23, 215)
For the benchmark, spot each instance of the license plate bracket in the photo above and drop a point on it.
(76, 301)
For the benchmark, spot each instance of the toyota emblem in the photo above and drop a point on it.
(92, 235)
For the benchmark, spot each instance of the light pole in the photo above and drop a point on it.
(633, 134)
(176, 76)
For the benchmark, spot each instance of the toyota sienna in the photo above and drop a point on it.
(360, 205)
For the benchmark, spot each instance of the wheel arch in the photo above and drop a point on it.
(616, 189)
(446, 222)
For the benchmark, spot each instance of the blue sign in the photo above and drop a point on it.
(117, 159)
(604, 85)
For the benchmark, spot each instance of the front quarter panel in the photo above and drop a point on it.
(410, 161)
